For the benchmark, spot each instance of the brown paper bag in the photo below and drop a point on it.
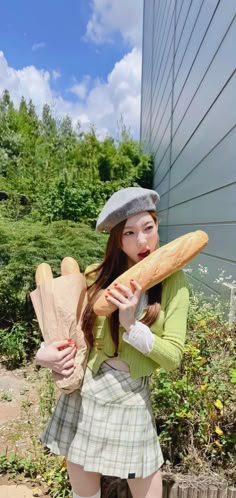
(59, 304)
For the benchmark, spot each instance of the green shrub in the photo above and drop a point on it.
(39, 468)
(24, 245)
(47, 399)
(74, 199)
(194, 406)
(18, 343)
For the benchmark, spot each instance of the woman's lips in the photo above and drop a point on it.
(144, 254)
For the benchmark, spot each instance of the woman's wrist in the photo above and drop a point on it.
(38, 358)
(140, 337)
(130, 326)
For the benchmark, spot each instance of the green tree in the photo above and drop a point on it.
(62, 171)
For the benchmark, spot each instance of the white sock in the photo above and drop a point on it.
(98, 495)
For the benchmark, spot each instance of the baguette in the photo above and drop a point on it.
(43, 274)
(59, 304)
(69, 266)
(157, 266)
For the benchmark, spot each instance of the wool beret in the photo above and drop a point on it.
(125, 203)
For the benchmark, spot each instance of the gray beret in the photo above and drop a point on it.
(125, 203)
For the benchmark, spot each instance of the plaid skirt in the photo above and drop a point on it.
(108, 426)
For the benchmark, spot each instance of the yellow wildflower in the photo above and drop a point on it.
(218, 430)
(218, 404)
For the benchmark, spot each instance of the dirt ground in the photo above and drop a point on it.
(9, 490)
(19, 405)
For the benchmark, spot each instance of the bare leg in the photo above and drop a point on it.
(149, 487)
(83, 483)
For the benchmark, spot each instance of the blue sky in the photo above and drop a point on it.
(82, 57)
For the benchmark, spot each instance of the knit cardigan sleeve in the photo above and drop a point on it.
(167, 350)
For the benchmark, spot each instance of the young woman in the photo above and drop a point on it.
(108, 427)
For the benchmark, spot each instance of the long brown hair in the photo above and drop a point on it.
(114, 264)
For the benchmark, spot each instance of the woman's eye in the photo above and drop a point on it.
(149, 227)
(128, 233)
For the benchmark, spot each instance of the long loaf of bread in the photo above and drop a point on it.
(69, 266)
(59, 304)
(157, 266)
(43, 274)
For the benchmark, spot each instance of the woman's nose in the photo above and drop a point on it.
(141, 239)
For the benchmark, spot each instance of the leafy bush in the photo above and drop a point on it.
(195, 405)
(79, 201)
(62, 172)
(24, 245)
(39, 468)
(17, 343)
(52, 173)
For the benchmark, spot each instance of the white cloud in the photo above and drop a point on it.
(29, 82)
(36, 46)
(102, 105)
(115, 16)
(107, 101)
(81, 89)
(55, 74)
(99, 103)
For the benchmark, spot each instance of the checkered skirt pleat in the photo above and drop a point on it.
(107, 427)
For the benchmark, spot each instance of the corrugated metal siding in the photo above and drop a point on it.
(188, 123)
(146, 77)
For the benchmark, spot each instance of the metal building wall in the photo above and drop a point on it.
(188, 122)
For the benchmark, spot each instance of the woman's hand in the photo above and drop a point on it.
(58, 356)
(126, 300)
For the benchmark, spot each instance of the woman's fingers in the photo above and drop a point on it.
(68, 364)
(61, 344)
(67, 372)
(122, 302)
(68, 352)
(56, 359)
(122, 292)
(68, 360)
(65, 366)
(113, 300)
(126, 300)
(137, 287)
(125, 290)
(119, 296)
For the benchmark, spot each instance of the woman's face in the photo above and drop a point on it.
(139, 237)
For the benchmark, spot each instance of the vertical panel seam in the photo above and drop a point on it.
(150, 123)
(171, 122)
(141, 89)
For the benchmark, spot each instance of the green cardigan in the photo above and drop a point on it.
(169, 333)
